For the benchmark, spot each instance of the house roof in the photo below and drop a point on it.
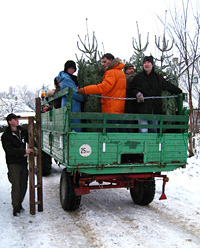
(24, 115)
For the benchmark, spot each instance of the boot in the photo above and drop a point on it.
(21, 209)
(16, 212)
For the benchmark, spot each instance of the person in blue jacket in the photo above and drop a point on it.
(67, 79)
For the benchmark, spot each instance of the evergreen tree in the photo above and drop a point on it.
(167, 69)
(139, 50)
(90, 70)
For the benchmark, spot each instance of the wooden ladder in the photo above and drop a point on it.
(35, 169)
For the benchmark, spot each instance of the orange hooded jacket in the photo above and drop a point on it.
(113, 85)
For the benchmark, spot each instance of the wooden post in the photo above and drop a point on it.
(39, 161)
(31, 166)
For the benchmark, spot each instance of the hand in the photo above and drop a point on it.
(29, 150)
(140, 97)
(81, 91)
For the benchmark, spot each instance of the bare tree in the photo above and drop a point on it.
(184, 28)
(27, 96)
(11, 105)
(18, 99)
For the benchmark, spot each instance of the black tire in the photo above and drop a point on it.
(68, 198)
(46, 164)
(143, 191)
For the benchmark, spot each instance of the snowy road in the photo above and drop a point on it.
(106, 218)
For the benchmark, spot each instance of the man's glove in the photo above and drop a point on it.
(140, 97)
(81, 91)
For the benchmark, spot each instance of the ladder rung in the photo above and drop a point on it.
(37, 186)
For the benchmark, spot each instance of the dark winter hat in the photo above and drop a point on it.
(12, 116)
(148, 58)
(127, 65)
(68, 64)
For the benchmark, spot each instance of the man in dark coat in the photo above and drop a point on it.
(146, 84)
(14, 141)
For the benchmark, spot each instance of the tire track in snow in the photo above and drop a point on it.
(101, 213)
(86, 228)
(137, 219)
(190, 222)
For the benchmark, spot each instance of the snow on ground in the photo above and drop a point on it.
(107, 218)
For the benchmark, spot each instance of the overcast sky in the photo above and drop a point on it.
(39, 36)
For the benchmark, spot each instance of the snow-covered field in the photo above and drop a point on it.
(107, 218)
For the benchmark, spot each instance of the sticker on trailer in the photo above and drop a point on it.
(85, 150)
(104, 147)
(160, 147)
(61, 142)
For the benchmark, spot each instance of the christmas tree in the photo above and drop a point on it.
(90, 70)
(167, 70)
(139, 50)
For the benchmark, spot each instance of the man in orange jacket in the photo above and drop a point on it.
(113, 85)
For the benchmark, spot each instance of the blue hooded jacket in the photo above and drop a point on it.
(66, 81)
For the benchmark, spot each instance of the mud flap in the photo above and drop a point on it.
(82, 191)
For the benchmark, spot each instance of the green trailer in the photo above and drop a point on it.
(96, 158)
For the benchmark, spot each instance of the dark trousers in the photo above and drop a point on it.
(115, 130)
(18, 177)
